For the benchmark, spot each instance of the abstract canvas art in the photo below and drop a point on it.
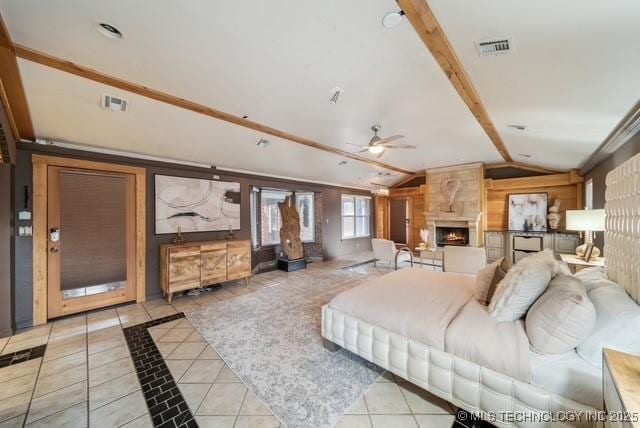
(196, 205)
(528, 212)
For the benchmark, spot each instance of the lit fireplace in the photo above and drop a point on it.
(452, 236)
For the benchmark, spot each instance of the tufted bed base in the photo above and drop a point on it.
(463, 383)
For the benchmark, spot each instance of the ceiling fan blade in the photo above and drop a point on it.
(362, 151)
(401, 146)
(387, 140)
(358, 145)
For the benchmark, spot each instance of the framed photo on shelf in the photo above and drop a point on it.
(588, 251)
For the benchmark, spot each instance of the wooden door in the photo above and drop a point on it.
(238, 259)
(91, 239)
(398, 220)
(214, 263)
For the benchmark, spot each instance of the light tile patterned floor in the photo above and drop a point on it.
(87, 376)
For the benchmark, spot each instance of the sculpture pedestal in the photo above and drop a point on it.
(291, 265)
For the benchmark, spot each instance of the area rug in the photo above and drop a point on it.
(271, 340)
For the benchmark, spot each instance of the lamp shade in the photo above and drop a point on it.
(585, 220)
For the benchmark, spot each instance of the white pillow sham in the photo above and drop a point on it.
(561, 318)
(617, 324)
(522, 285)
(594, 277)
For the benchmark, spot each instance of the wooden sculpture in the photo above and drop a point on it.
(290, 230)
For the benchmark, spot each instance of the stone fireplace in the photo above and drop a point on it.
(464, 215)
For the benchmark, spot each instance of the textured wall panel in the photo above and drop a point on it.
(622, 235)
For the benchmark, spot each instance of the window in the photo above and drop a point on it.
(588, 194)
(255, 225)
(304, 204)
(270, 220)
(356, 216)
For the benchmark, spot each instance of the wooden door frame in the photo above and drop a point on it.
(40, 238)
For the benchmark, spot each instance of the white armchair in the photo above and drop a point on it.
(463, 259)
(385, 251)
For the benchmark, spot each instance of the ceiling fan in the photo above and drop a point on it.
(378, 145)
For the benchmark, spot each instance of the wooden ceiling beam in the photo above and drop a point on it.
(97, 76)
(425, 24)
(12, 96)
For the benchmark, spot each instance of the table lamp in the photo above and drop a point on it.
(587, 221)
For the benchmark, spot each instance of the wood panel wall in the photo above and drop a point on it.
(568, 187)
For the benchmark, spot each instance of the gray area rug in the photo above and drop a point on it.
(271, 340)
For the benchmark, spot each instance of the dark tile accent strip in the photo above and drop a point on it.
(167, 406)
(22, 355)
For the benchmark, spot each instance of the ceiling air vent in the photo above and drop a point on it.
(110, 102)
(494, 47)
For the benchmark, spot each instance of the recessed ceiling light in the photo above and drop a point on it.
(524, 155)
(109, 30)
(518, 127)
(262, 143)
(392, 19)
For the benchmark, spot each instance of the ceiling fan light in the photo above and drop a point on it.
(375, 149)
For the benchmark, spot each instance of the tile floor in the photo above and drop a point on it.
(87, 377)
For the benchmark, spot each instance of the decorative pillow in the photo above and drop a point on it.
(617, 324)
(594, 277)
(522, 285)
(553, 260)
(561, 318)
(487, 280)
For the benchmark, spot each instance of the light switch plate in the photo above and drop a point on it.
(24, 215)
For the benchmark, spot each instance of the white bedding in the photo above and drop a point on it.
(568, 375)
(439, 310)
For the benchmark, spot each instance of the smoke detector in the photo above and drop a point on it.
(494, 47)
(109, 102)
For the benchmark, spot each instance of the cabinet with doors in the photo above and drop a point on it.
(192, 265)
(517, 245)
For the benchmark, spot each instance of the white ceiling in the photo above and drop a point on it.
(277, 61)
(573, 75)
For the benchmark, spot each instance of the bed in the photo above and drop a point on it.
(384, 321)
(413, 323)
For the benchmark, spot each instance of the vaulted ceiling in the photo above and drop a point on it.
(571, 78)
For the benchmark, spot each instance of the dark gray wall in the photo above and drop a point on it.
(599, 174)
(6, 251)
(333, 245)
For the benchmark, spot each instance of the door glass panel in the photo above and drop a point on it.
(93, 230)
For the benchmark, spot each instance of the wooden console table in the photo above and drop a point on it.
(196, 264)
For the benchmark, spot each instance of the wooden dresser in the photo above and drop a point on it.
(621, 381)
(196, 264)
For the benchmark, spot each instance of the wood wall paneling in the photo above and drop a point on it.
(567, 187)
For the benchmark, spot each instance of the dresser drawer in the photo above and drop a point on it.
(519, 255)
(527, 243)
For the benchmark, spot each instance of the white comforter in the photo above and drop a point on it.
(438, 309)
